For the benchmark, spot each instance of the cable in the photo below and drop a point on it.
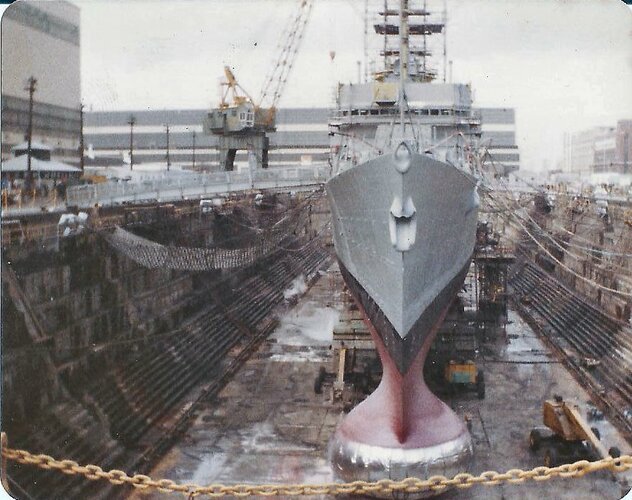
(605, 252)
(564, 250)
(560, 263)
(576, 256)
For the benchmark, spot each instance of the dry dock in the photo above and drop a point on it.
(268, 425)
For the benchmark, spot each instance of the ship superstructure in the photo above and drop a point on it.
(433, 117)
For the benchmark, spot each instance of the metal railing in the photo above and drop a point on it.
(443, 116)
(180, 187)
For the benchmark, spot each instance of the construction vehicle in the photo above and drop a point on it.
(451, 364)
(567, 436)
(241, 123)
(465, 375)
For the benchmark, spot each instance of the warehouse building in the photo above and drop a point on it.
(302, 137)
(499, 139)
(41, 40)
(600, 150)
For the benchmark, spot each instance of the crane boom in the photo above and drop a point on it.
(243, 123)
(233, 86)
(273, 87)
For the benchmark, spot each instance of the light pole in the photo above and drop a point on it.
(81, 165)
(31, 87)
(626, 152)
(194, 149)
(131, 122)
(168, 158)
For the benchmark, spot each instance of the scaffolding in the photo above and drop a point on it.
(491, 268)
(478, 311)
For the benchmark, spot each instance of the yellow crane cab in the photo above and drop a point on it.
(231, 119)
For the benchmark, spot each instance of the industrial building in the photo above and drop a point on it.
(301, 137)
(38, 40)
(600, 149)
(499, 138)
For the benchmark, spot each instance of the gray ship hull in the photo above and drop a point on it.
(404, 228)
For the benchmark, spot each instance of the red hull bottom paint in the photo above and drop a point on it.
(401, 412)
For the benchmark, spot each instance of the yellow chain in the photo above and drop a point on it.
(409, 485)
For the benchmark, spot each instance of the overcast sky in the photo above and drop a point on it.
(564, 65)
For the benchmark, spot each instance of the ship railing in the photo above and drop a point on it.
(429, 115)
(195, 185)
(497, 251)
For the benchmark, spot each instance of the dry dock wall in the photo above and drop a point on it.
(84, 297)
(586, 244)
(101, 356)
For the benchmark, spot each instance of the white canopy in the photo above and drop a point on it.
(35, 146)
(19, 164)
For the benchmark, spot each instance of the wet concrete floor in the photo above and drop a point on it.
(268, 426)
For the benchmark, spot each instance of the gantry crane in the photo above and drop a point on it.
(240, 122)
(237, 112)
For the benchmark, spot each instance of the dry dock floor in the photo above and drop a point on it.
(268, 426)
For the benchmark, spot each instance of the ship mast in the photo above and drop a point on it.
(403, 58)
(417, 54)
(406, 62)
(385, 51)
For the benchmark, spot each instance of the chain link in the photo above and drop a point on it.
(384, 486)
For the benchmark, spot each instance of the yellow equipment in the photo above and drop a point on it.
(232, 86)
(571, 439)
(94, 178)
(241, 114)
(465, 374)
(237, 112)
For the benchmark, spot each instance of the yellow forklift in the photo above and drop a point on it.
(567, 436)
